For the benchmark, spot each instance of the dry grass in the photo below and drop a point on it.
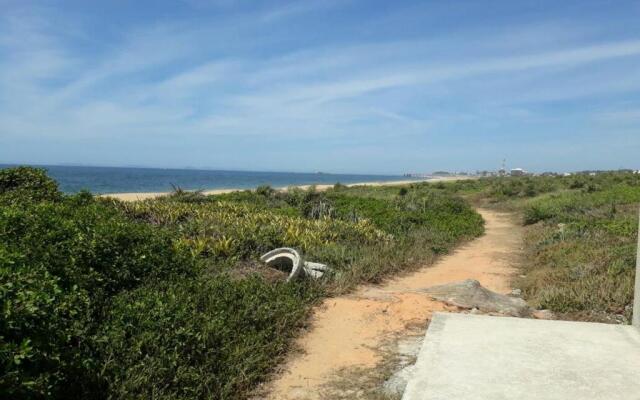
(367, 383)
(580, 241)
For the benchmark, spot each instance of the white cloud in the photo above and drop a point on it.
(191, 80)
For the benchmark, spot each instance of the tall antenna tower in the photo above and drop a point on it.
(503, 169)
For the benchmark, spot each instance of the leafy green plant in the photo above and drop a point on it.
(206, 338)
(60, 265)
(26, 184)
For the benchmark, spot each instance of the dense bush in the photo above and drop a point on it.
(26, 184)
(60, 263)
(209, 338)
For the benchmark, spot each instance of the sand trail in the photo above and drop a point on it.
(347, 331)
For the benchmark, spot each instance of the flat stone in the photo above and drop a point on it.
(470, 357)
(469, 294)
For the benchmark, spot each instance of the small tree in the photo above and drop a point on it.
(265, 190)
(27, 184)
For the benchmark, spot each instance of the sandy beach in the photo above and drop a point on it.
(152, 195)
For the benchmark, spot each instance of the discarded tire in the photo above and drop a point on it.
(289, 260)
(285, 259)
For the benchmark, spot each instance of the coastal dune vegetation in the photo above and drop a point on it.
(580, 239)
(165, 298)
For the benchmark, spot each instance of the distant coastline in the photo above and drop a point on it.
(152, 195)
(116, 180)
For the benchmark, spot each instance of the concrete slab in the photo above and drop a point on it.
(468, 357)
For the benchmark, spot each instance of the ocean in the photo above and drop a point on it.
(100, 180)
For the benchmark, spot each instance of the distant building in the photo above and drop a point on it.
(441, 173)
(518, 172)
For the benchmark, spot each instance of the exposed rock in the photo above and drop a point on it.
(470, 294)
(516, 293)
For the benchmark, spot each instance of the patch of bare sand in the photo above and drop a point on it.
(153, 195)
(347, 332)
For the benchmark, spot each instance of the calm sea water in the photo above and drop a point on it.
(126, 180)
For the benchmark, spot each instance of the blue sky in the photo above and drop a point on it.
(334, 85)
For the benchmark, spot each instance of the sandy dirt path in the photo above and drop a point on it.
(347, 331)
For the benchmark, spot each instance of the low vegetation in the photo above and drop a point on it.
(581, 248)
(164, 298)
(580, 239)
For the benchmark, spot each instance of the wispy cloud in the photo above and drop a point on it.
(230, 76)
(299, 7)
(623, 116)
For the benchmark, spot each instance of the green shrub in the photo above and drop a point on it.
(26, 184)
(536, 213)
(60, 264)
(187, 196)
(208, 338)
(265, 190)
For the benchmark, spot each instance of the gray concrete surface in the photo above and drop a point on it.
(468, 357)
